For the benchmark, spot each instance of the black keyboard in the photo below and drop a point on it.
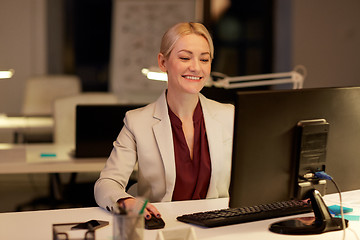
(228, 216)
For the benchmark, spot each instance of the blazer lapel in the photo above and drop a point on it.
(214, 135)
(164, 139)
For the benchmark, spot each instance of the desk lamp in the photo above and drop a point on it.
(295, 77)
(154, 73)
(6, 74)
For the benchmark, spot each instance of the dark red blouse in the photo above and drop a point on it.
(192, 176)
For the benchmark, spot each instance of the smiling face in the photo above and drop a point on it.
(188, 65)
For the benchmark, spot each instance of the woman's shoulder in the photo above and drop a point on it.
(139, 112)
(217, 106)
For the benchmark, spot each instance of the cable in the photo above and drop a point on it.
(341, 208)
(323, 175)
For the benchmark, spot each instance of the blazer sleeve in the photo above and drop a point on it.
(110, 187)
(139, 142)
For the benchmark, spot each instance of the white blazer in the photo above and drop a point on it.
(146, 139)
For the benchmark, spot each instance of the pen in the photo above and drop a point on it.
(143, 207)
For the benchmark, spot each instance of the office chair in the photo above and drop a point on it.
(42, 91)
(39, 97)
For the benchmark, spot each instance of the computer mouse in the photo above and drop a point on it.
(154, 223)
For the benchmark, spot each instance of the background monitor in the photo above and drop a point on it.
(265, 135)
(97, 127)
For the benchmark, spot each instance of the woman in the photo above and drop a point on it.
(183, 141)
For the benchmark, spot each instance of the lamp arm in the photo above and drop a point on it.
(293, 77)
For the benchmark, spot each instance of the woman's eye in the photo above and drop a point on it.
(205, 60)
(184, 58)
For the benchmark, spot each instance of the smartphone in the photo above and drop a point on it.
(91, 225)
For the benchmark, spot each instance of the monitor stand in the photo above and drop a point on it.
(322, 222)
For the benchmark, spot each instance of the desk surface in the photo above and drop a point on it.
(38, 224)
(44, 158)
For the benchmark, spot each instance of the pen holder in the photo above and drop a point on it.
(128, 227)
(186, 233)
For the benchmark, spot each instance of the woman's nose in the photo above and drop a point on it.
(194, 65)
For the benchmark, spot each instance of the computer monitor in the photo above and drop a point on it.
(264, 155)
(97, 126)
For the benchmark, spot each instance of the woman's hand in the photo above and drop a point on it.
(131, 203)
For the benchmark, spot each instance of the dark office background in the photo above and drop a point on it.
(79, 40)
(243, 39)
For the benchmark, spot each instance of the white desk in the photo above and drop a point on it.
(27, 158)
(11, 126)
(38, 224)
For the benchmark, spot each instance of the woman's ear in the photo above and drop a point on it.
(162, 62)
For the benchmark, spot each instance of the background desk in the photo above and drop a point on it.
(38, 224)
(26, 158)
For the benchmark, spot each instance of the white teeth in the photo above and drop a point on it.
(192, 78)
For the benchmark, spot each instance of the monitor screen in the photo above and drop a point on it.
(264, 155)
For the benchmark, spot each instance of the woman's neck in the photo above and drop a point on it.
(182, 105)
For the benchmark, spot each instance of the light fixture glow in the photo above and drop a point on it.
(6, 74)
(152, 75)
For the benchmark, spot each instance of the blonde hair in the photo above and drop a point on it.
(181, 29)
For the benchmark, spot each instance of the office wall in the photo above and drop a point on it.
(325, 38)
(137, 27)
(22, 47)
(323, 35)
